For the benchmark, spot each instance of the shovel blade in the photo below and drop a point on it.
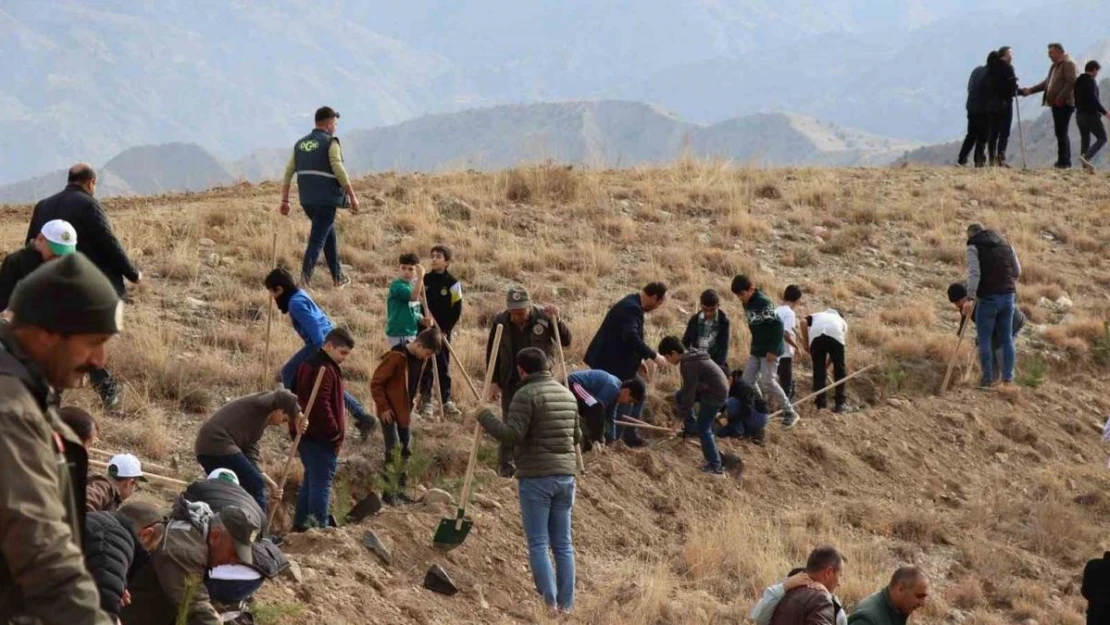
(448, 536)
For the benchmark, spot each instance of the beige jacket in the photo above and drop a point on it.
(1059, 86)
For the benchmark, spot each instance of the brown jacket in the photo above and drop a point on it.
(1059, 86)
(389, 386)
(43, 579)
(805, 606)
(101, 495)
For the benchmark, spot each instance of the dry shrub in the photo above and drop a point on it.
(146, 435)
(741, 223)
(965, 594)
(908, 316)
(636, 593)
(800, 256)
(768, 191)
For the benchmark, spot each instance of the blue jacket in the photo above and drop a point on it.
(310, 322)
(618, 347)
(602, 386)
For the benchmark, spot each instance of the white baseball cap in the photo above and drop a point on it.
(125, 466)
(60, 237)
(224, 475)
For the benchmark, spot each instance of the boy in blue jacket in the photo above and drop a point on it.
(312, 325)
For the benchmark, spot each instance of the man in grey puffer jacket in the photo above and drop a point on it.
(542, 426)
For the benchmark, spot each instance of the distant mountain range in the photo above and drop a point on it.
(596, 134)
(85, 81)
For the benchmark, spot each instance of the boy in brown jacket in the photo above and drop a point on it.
(394, 386)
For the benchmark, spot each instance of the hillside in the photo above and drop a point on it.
(86, 82)
(1001, 497)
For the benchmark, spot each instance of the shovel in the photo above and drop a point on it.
(964, 322)
(296, 443)
(453, 531)
(566, 383)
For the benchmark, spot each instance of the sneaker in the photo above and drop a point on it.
(1083, 160)
(961, 163)
(841, 408)
(110, 395)
(451, 409)
(715, 471)
(789, 420)
(427, 410)
(342, 281)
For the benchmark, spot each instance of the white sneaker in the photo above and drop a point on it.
(1086, 164)
(452, 410)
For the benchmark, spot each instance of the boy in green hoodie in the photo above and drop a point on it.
(404, 316)
(768, 345)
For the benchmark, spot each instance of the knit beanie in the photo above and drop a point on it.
(68, 296)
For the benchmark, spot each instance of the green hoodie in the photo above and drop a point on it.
(766, 326)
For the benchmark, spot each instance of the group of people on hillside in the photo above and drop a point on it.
(991, 89)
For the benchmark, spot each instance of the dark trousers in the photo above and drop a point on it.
(102, 380)
(786, 376)
(823, 349)
(443, 364)
(250, 476)
(998, 139)
(1061, 121)
(593, 424)
(1090, 124)
(321, 237)
(395, 435)
(977, 134)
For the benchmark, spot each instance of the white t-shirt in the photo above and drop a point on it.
(828, 323)
(789, 325)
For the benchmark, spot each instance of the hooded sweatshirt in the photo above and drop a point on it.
(701, 377)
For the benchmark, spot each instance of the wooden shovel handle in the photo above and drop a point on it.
(816, 393)
(154, 477)
(566, 382)
(464, 497)
(297, 440)
(964, 322)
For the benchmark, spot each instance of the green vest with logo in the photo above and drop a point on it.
(316, 182)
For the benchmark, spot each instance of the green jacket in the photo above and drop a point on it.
(766, 326)
(43, 579)
(877, 610)
(402, 314)
(542, 425)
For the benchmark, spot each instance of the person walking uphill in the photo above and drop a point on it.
(993, 270)
(95, 239)
(1089, 112)
(229, 438)
(768, 345)
(1059, 94)
(312, 325)
(63, 314)
(526, 325)
(323, 187)
(542, 425)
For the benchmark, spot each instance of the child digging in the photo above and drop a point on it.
(702, 379)
(394, 387)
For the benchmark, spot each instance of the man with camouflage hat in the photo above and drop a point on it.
(526, 325)
(63, 314)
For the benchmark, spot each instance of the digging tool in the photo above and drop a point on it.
(453, 531)
(148, 465)
(154, 477)
(964, 323)
(269, 317)
(296, 443)
(566, 383)
(816, 393)
(643, 426)
(435, 368)
(1021, 139)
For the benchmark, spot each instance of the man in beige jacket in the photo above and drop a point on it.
(1059, 94)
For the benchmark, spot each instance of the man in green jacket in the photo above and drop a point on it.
(63, 314)
(908, 590)
(542, 425)
(768, 345)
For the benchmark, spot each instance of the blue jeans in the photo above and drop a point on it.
(616, 432)
(995, 314)
(545, 509)
(321, 236)
(289, 375)
(250, 476)
(742, 421)
(314, 496)
(702, 425)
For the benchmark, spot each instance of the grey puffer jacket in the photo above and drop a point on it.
(543, 426)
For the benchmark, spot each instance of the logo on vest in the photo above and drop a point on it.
(308, 145)
(538, 329)
(443, 291)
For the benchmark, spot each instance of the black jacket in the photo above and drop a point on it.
(1087, 96)
(444, 299)
(998, 274)
(1001, 85)
(619, 347)
(718, 351)
(17, 266)
(95, 238)
(110, 545)
(1096, 590)
(977, 94)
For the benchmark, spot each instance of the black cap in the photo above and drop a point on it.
(324, 113)
(68, 295)
(956, 292)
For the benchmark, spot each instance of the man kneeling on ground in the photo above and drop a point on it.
(745, 412)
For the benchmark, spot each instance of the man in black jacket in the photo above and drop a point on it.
(445, 302)
(976, 117)
(993, 270)
(110, 545)
(1089, 112)
(57, 238)
(1002, 84)
(96, 240)
(1096, 590)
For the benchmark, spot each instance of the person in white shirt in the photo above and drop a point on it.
(791, 298)
(826, 334)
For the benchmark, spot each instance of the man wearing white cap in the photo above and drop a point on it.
(57, 238)
(108, 492)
